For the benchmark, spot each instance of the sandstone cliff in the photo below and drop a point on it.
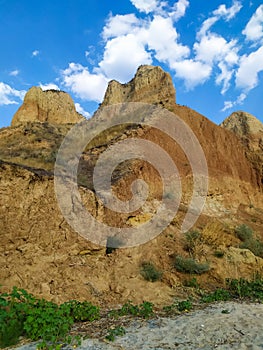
(40, 252)
(52, 106)
(150, 85)
(250, 131)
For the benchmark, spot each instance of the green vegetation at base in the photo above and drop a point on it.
(23, 315)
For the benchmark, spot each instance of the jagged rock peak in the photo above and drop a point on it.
(243, 124)
(150, 85)
(52, 106)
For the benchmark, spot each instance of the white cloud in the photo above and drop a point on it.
(14, 73)
(214, 48)
(49, 86)
(9, 95)
(179, 9)
(83, 83)
(254, 28)
(230, 104)
(165, 42)
(224, 77)
(146, 6)
(228, 13)
(120, 25)
(192, 72)
(81, 110)
(250, 66)
(35, 53)
(122, 56)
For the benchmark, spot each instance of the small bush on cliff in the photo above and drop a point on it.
(244, 232)
(189, 265)
(149, 272)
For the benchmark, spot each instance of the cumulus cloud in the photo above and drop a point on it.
(250, 67)
(213, 48)
(228, 13)
(120, 25)
(49, 86)
(81, 110)
(9, 95)
(165, 42)
(146, 6)
(192, 72)
(254, 28)
(84, 84)
(122, 56)
(179, 9)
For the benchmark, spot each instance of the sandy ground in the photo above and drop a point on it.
(239, 326)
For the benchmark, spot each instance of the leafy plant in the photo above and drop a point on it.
(82, 311)
(218, 295)
(184, 305)
(189, 265)
(150, 272)
(115, 332)
(144, 310)
(242, 288)
(244, 232)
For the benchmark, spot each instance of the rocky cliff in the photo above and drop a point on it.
(52, 106)
(250, 131)
(40, 252)
(150, 85)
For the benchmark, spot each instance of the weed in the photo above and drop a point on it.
(184, 305)
(254, 245)
(189, 265)
(144, 310)
(241, 288)
(244, 232)
(115, 332)
(218, 295)
(191, 240)
(191, 283)
(82, 311)
(150, 272)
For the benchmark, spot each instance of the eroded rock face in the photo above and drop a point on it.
(150, 85)
(250, 131)
(52, 106)
(247, 127)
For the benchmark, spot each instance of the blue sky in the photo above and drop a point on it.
(212, 49)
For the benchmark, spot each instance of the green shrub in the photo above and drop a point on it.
(244, 232)
(184, 305)
(254, 245)
(189, 265)
(149, 272)
(191, 283)
(144, 310)
(217, 295)
(191, 240)
(113, 333)
(21, 314)
(241, 288)
(82, 311)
